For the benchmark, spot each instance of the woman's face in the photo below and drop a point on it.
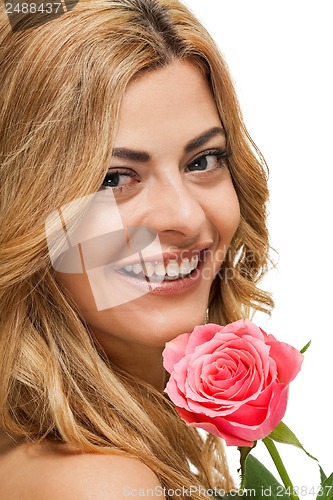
(168, 174)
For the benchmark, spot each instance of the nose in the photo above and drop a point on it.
(174, 208)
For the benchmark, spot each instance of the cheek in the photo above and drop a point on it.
(78, 289)
(223, 211)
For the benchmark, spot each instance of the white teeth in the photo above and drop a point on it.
(172, 270)
(149, 269)
(137, 268)
(160, 270)
(185, 267)
(194, 262)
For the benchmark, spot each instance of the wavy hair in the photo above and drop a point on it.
(61, 83)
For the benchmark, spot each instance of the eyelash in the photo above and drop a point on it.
(221, 155)
(119, 172)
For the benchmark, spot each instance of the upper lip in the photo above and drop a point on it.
(177, 254)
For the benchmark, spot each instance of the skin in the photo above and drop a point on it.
(55, 471)
(161, 113)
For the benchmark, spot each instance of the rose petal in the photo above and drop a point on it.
(244, 327)
(175, 395)
(287, 358)
(231, 381)
(201, 335)
(174, 351)
(213, 429)
(255, 432)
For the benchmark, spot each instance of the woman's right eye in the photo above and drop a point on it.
(117, 180)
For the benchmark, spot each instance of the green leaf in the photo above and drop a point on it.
(260, 483)
(323, 476)
(326, 489)
(282, 434)
(306, 347)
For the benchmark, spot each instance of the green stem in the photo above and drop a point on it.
(244, 451)
(280, 467)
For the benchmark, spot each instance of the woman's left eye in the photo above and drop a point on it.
(209, 161)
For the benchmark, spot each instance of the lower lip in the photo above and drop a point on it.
(176, 287)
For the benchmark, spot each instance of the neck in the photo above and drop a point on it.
(145, 363)
(142, 361)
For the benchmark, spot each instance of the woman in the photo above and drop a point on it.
(120, 134)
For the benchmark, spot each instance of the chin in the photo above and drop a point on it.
(166, 329)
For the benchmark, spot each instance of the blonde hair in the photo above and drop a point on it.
(62, 83)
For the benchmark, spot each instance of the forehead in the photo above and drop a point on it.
(173, 103)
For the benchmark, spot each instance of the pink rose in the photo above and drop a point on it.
(231, 381)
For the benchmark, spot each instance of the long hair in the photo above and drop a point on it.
(61, 84)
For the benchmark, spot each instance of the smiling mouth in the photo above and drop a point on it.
(169, 270)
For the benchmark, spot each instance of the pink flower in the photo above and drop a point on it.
(231, 381)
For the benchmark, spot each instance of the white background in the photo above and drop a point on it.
(280, 56)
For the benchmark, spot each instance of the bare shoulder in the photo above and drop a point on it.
(102, 477)
(57, 473)
(85, 477)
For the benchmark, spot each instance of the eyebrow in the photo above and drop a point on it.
(203, 138)
(143, 156)
(131, 154)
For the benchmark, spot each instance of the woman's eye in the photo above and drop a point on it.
(117, 179)
(208, 161)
